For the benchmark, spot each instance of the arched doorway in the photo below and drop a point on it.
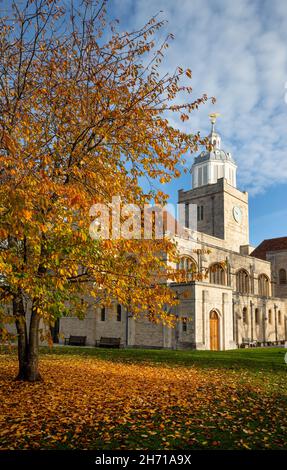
(214, 331)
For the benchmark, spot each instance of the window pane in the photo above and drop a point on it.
(184, 324)
(282, 276)
(205, 174)
(103, 314)
(187, 215)
(217, 274)
(119, 312)
(199, 176)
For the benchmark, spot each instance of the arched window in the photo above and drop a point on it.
(184, 324)
(279, 317)
(119, 312)
(282, 276)
(245, 315)
(257, 319)
(242, 281)
(263, 285)
(217, 274)
(189, 268)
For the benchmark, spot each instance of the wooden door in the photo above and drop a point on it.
(214, 331)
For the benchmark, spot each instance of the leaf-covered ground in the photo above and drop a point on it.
(88, 402)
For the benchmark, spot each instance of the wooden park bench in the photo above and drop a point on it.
(76, 340)
(248, 342)
(280, 342)
(108, 342)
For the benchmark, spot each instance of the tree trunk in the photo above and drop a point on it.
(22, 351)
(28, 348)
(19, 313)
(32, 373)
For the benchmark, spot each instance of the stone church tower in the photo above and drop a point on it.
(222, 210)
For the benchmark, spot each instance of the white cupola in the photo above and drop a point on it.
(210, 166)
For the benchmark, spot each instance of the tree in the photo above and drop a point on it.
(83, 116)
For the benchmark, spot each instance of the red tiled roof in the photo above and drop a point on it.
(273, 244)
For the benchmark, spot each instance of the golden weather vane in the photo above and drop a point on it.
(213, 117)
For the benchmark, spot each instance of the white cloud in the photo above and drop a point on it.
(237, 52)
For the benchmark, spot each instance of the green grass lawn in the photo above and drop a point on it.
(95, 398)
(268, 359)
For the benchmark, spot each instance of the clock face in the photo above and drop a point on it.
(237, 214)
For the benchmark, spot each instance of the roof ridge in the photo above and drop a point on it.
(269, 244)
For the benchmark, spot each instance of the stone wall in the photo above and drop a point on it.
(268, 326)
(92, 327)
(278, 260)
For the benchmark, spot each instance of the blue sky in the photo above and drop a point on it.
(237, 52)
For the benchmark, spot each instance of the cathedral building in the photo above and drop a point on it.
(241, 299)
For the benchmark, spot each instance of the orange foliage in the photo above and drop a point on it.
(87, 403)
